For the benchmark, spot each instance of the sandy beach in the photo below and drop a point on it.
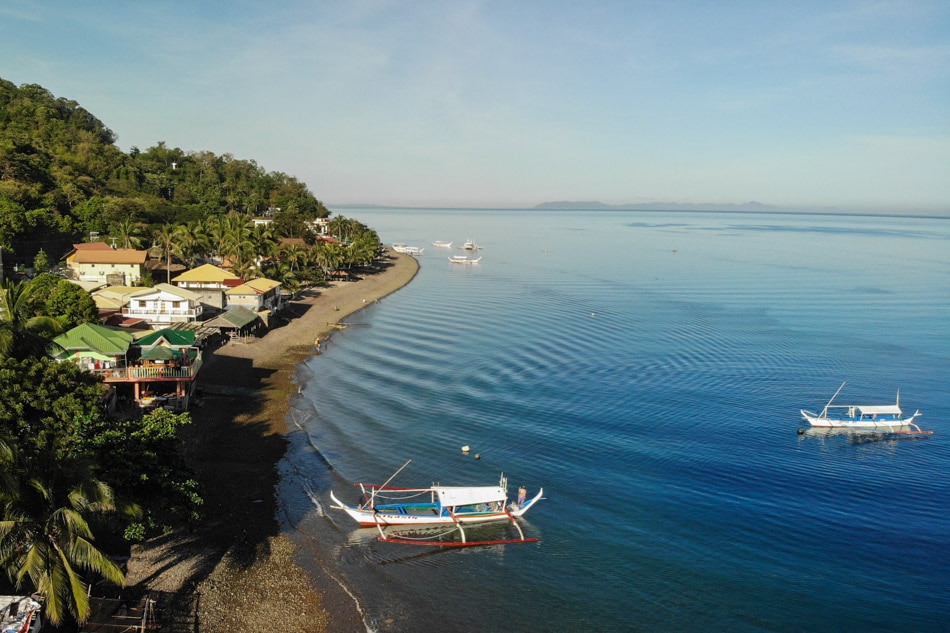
(234, 571)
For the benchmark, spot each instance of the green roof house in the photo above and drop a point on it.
(94, 347)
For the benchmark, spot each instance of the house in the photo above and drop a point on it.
(112, 299)
(209, 282)
(164, 304)
(162, 371)
(99, 262)
(257, 295)
(98, 349)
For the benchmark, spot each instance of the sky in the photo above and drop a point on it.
(511, 103)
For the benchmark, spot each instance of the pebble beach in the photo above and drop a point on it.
(234, 571)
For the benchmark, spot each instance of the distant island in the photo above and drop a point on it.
(656, 206)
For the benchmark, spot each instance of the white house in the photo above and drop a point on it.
(164, 304)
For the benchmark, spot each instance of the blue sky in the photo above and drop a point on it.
(512, 103)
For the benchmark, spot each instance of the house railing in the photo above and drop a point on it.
(155, 371)
(146, 312)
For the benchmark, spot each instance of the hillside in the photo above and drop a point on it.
(62, 177)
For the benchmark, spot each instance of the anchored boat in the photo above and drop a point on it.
(455, 507)
(464, 259)
(887, 417)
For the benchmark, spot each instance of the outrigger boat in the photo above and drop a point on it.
(442, 244)
(888, 418)
(454, 507)
(409, 250)
(464, 259)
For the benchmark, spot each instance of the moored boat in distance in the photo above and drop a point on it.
(441, 244)
(464, 259)
(409, 250)
(470, 245)
(384, 506)
(887, 417)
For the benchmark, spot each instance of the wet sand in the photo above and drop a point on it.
(235, 571)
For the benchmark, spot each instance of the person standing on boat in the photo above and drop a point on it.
(522, 496)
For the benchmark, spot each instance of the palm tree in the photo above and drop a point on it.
(128, 231)
(194, 242)
(23, 333)
(168, 238)
(238, 239)
(339, 227)
(45, 540)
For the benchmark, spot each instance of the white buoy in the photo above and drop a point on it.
(466, 448)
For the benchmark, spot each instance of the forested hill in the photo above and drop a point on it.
(62, 177)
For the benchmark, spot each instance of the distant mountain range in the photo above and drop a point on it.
(657, 206)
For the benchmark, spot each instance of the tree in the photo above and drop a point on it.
(41, 262)
(23, 333)
(71, 305)
(140, 459)
(167, 239)
(44, 533)
(128, 232)
(56, 407)
(41, 402)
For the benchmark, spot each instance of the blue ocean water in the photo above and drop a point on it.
(646, 369)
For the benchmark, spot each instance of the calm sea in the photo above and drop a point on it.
(647, 369)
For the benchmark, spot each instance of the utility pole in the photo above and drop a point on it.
(1, 264)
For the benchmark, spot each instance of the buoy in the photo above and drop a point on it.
(478, 455)
(466, 448)
(801, 431)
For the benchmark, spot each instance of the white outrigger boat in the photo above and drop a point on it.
(409, 250)
(464, 259)
(441, 244)
(450, 506)
(888, 417)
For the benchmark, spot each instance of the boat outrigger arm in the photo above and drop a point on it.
(464, 542)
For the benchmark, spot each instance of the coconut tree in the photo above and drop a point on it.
(23, 333)
(45, 540)
(238, 239)
(128, 232)
(168, 238)
(294, 255)
(194, 242)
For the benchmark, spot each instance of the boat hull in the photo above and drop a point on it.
(429, 514)
(819, 421)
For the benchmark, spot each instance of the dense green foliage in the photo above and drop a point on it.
(56, 408)
(62, 176)
(66, 463)
(47, 501)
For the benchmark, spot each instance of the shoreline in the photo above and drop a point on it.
(235, 571)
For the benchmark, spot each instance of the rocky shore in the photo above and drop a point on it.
(235, 572)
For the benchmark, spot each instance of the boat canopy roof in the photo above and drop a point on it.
(886, 409)
(468, 495)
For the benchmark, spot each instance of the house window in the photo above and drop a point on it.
(142, 304)
(176, 304)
